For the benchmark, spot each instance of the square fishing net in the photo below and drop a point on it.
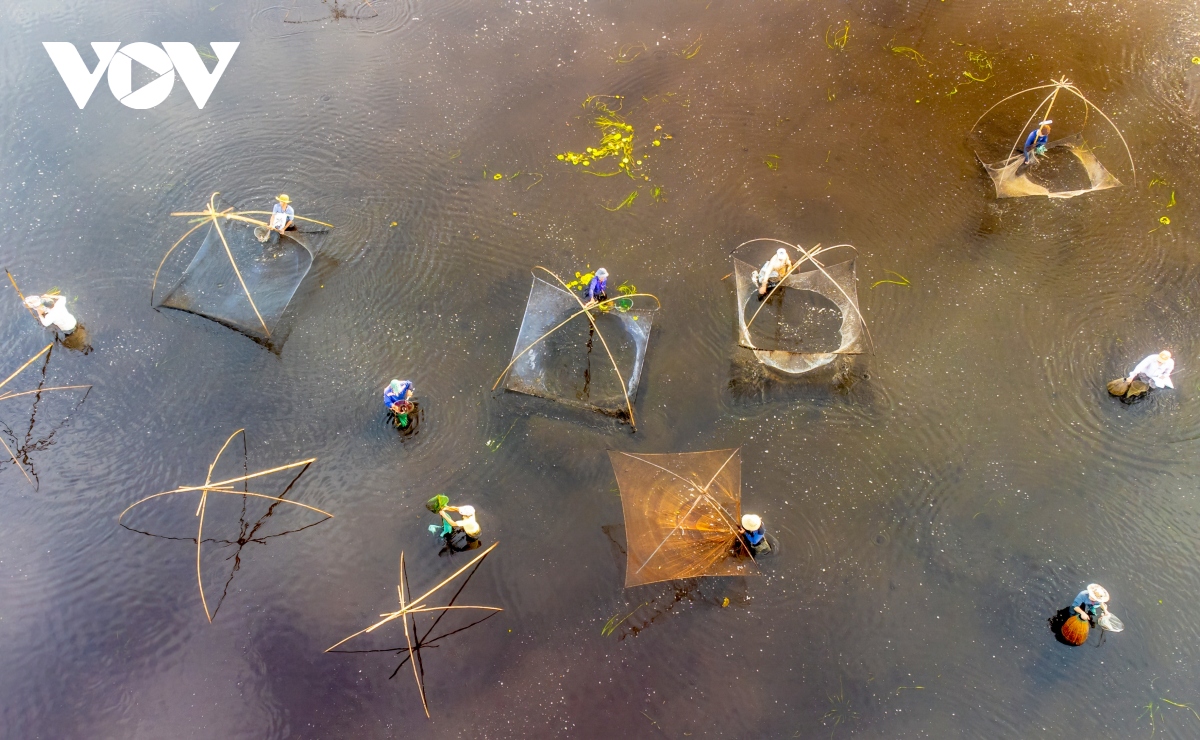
(560, 355)
(682, 514)
(810, 319)
(236, 280)
(1015, 179)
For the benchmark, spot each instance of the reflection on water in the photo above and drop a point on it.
(934, 501)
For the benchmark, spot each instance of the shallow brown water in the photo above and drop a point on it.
(932, 510)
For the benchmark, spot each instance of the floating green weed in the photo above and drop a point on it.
(902, 282)
(772, 161)
(691, 49)
(626, 288)
(616, 141)
(1152, 708)
(613, 622)
(908, 51)
(629, 199)
(658, 194)
(837, 38)
(629, 52)
(983, 66)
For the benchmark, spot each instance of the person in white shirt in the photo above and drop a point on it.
(772, 272)
(282, 214)
(1156, 369)
(52, 309)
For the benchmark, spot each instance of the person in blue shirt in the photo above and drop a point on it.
(1091, 603)
(282, 214)
(1035, 143)
(597, 288)
(397, 401)
(754, 532)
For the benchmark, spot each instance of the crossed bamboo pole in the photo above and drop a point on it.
(410, 606)
(10, 394)
(210, 215)
(583, 309)
(226, 486)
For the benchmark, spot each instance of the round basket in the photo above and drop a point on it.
(1075, 630)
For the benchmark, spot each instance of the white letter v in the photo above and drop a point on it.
(190, 67)
(80, 82)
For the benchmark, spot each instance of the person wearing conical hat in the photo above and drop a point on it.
(772, 272)
(1035, 143)
(754, 532)
(282, 214)
(1091, 603)
(1156, 369)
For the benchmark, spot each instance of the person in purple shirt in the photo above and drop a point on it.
(597, 288)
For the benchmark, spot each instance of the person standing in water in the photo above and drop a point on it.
(282, 214)
(597, 289)
(55, 313)
(1035, 143)
(1155, 370)
(754, 532)
(1091, 603)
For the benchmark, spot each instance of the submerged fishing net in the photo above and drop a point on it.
(810, 319)
(272, 273)
(571, 363)
(1014, 179)
(682, 514)
(242, 274)
(1068, 166)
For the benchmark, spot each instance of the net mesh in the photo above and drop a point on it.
(682, 514)
(571, 365)
(1014, 179)
(787, 349)
(271, 271)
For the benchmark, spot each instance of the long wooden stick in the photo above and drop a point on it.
(213, 489)
(27, 364)
(297, 218)
(407, 639)
(9, 394)
(20, 295)
(18, 462)
(238, 272)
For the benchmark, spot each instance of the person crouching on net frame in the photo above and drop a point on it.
(597, 289)
(1035, 143)
(772, 272)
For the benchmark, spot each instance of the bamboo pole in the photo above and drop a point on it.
(408, 639)
(9, 394)
(27, 364)
(18, 462)
(20, 295)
